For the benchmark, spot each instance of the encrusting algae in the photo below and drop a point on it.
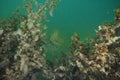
(23, 49)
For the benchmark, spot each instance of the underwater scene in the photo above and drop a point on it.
(59, 40)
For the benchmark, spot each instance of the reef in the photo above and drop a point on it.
(22, 39)
(100, 63)
(23, 49)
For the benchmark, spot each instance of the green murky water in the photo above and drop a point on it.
(81, 16)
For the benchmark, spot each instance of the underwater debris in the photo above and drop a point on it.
(56, 38)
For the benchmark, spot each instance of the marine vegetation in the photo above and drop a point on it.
(23, 48)
(27, 42)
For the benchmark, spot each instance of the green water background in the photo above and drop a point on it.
(81, 16)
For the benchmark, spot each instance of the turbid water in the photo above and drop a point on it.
(82, 16)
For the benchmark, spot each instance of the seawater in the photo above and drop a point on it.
(81, 16)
